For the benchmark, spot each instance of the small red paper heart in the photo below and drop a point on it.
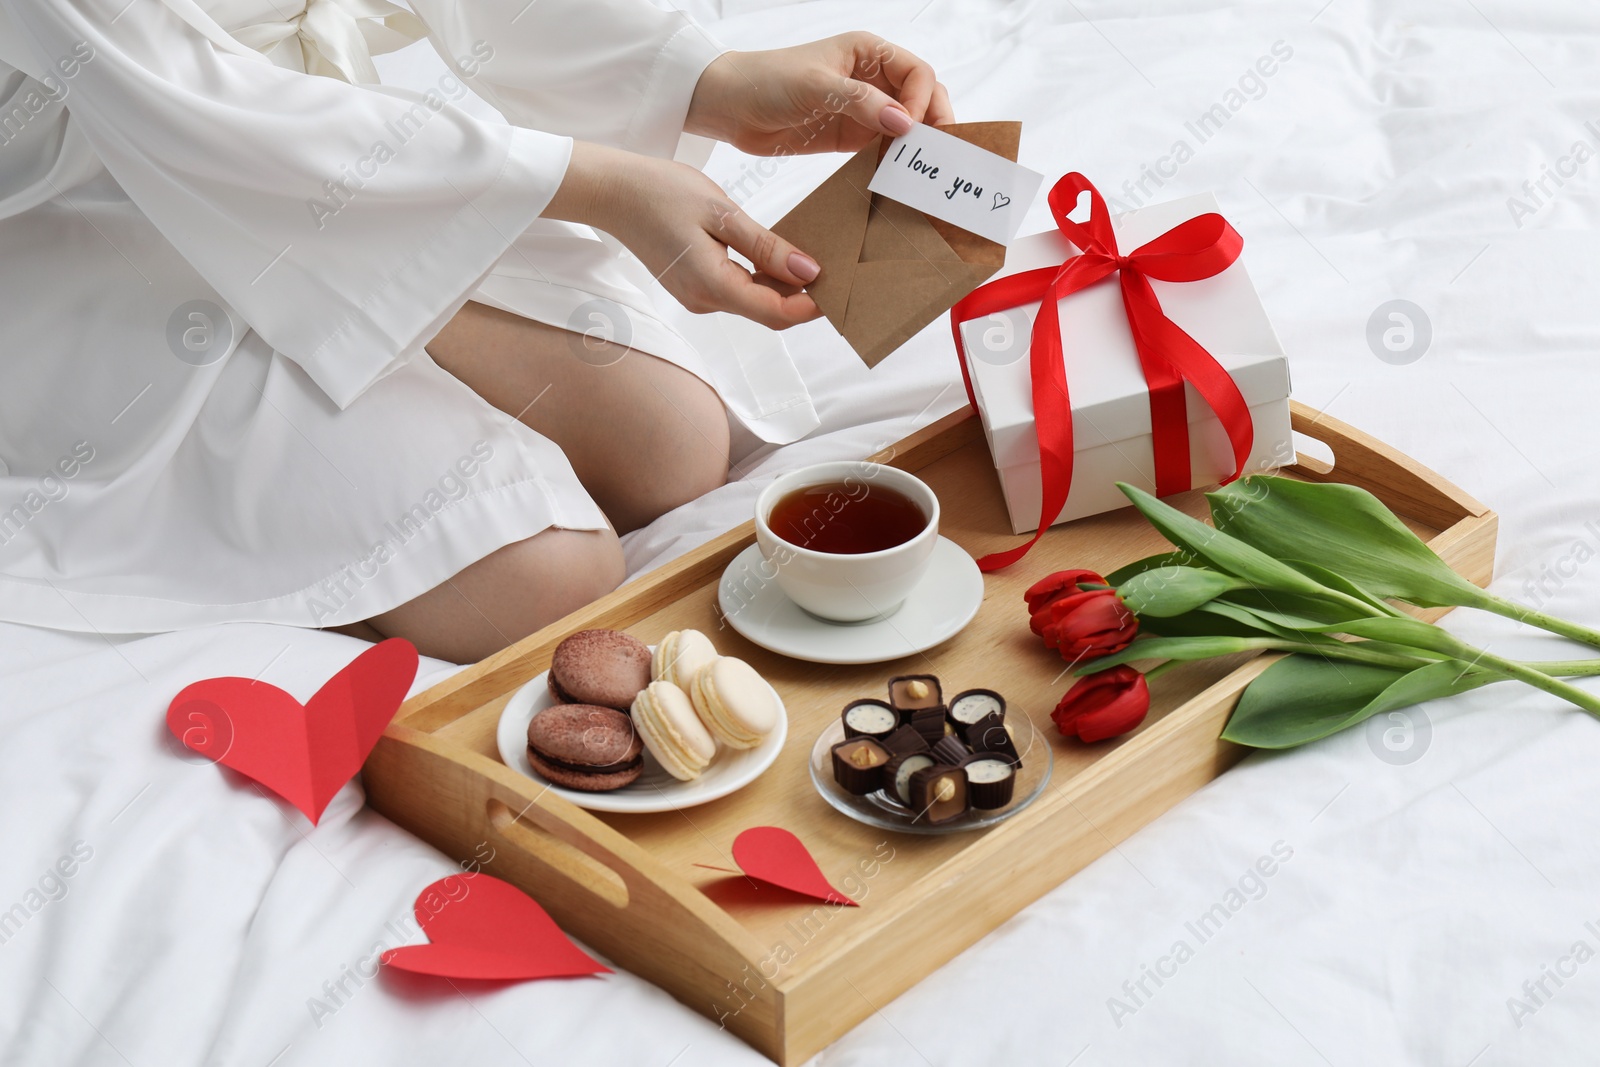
(481, 927)
(776, 856)
(303, 752)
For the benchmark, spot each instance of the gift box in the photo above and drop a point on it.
(1111, 408)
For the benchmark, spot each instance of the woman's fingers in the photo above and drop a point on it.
(734, 289)
(873, 108)
(773, 297)
(770, 254)
(911, 79)
(892, 88)
(939, 110)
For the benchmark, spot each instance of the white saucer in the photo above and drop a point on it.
(947, 598)
(655, 789)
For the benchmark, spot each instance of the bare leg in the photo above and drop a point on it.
(508, 594)
(643, 435)
(364, 630)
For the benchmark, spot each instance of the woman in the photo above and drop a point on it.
(283, 344)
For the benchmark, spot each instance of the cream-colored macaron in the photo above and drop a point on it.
(735, 702)
(672, 731)
(679, 657)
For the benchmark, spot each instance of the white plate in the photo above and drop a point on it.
(655, 789)
(946, 599)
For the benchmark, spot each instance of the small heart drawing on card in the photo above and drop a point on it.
(1000, 201)
(305, 753)
(480, 927)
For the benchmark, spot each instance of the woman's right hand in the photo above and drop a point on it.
(681, 224)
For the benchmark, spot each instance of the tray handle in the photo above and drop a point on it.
(560, 857)
(1402, 483)
(598, 885)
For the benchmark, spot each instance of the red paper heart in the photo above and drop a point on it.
(481, 927)
(303, 752)
(778, 857)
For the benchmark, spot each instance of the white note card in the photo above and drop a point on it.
(943, 176)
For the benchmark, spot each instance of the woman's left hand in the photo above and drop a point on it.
(833, 95)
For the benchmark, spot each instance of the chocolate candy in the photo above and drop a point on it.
(898, 771)
(938, 794)
(908, 692)
(989, 734)
(975, 704)
(869, 718)
(858, 765)
(904, 741)
(939, 760)
(929, 722)
(991, 779)
(950, 750)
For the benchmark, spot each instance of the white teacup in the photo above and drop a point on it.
(837, 587)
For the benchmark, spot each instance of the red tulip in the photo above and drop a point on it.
(1061, 583)
(1104, 704)
(1087, 624)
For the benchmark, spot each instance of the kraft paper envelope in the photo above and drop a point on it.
(888, 270)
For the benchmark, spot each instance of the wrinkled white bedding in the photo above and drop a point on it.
(1437, 906)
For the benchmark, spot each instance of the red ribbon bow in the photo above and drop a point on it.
(1200, 248)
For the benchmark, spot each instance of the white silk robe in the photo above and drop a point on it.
(223, 247)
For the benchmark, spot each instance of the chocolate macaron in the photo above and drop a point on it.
(586, 747)
(603, 667)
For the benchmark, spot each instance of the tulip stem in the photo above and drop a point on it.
(1512, 610)
(1352, 651)
(1366, 609)
(1533, 676)
(1571, 668)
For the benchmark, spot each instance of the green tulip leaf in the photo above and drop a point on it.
(1401, 630)
(1443, 679)
(1205, 621)
(1175, 648)
(1341, 583)
(1347, 530)
(1301, 698)
(1223, 551)
(1165, 591)
(1305, 698)
(1257, 622)
(1139, 566)
(1293, 610)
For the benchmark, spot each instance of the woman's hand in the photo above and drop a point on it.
(828, 96)
(834, 95)
(681, 224)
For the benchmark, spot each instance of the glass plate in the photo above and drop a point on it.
(876, 809)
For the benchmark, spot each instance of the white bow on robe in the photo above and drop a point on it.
(334, 38)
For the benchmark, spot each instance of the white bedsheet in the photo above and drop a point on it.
(1419, 897)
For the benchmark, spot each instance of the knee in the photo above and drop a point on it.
(545, 578)
(568, 569)
(700, 470)
(514, 591)
(687, 460)
(676, 481)
(699, 461)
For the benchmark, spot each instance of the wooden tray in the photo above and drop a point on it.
(791, 977)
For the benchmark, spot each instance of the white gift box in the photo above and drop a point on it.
(1110, 400)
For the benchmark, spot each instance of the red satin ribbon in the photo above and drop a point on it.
(1200, 248)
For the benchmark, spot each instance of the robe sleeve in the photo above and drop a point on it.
(345, 223)
(615, 72)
